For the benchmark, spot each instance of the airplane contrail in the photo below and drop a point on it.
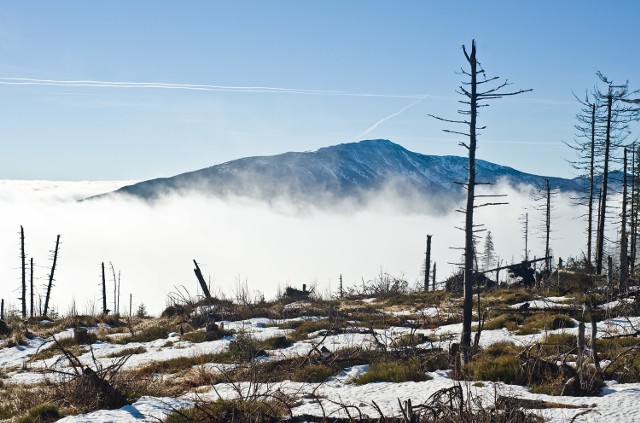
(188, 87)
(392, 115)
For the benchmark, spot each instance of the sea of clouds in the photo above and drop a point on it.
(240, 242)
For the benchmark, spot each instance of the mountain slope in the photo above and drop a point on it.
(345, 171)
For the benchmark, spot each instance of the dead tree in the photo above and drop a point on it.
(23, 298)
(31, 313)
(587, 146)
(118, 296)
(434, 276)
(525, 236)
(616, 124)
(201, 280)
(53, 269)
(633, 214)
(427, 264)
(624, 250)
(547, 224)
(104, 292)
(476, 96)
(115, 289)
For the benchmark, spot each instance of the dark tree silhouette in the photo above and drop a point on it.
(587, 146)
(476, 95)
(53, 269)
(23, 298)
(618, 114)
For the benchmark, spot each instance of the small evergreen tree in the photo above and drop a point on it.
(489, 252)
(142, 311)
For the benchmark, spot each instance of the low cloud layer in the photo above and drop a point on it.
(235, 240)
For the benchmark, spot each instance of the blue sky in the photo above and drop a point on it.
(331, 72)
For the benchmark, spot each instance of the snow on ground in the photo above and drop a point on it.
(427, 312)
(551, 302)
(145, 409)
(616, 303)
(618, 402)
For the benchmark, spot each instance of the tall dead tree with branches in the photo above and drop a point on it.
(587, 146)
(619, 112)
(476, 96)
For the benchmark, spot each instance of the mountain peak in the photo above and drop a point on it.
(346, 171)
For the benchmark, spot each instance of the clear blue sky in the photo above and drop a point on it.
(327, 52)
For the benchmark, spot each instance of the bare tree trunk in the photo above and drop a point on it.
(53, 269)
(427, 264)
(634, 212)
(31, 313)
(624, 253)
(580, 361)
(591, 182)
(526, 236)
(118, 304)
(23, 298)
(203, 284)
(468, 275)
(610, 274)
(104, 292)
(115, 289)
(434, 276)
(474, 99)
(603, 191)
(547, 262)
(594, 333)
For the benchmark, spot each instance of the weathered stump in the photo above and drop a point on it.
(81, 336)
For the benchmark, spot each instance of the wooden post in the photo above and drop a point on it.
(53, 269)
(24, 274)
(130, 305)
(2, 309)
(341, 289)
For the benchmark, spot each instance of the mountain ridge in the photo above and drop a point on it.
(348, 170)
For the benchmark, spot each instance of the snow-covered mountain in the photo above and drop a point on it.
(346, 171)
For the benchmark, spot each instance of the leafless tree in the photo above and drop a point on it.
(587, 145)
(53, 269)
(619, 112)
(476, 95)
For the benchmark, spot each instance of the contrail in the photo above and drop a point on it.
(392, 115)
(188, 87)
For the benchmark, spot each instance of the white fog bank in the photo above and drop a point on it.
(153, 245)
